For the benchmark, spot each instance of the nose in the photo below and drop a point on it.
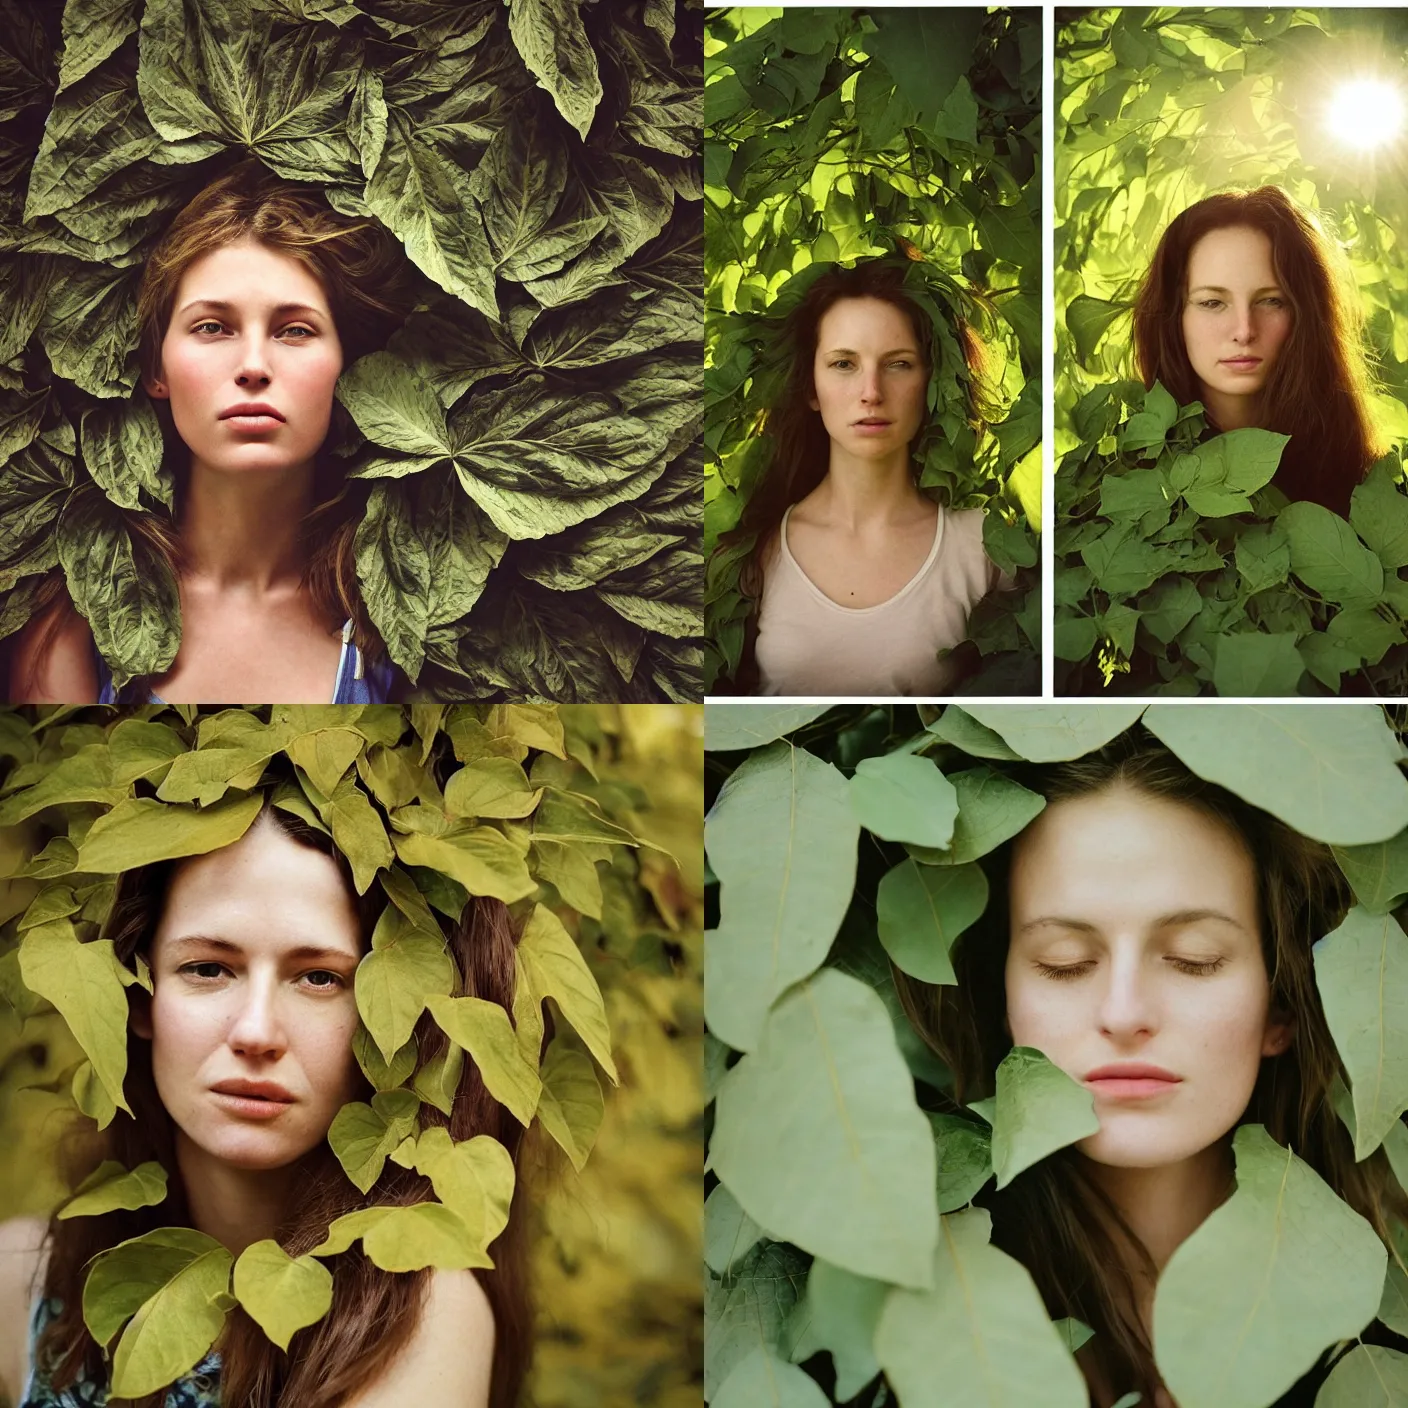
(872, 387)
(252, 370)
(1244, 328)
(257, 1027)
(1127, 1005)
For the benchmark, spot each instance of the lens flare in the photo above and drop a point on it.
(1366, 113)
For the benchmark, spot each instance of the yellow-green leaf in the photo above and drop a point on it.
(481, 858)
(122, 1279)
(205, 775)
(363, 1135)
(82, 981)
(474, 1178)
(358, 831)
(111, 1186)
(483, 1029)
(383, 1074)
(572, 872)
(325, 755)
(392, 983)
(533, 725)
(557, 969)
(281, 1293)
(493, 787)
(437, 1081)
(428, 1234)
(91, 1096)
(571, 1107)
(142, 830)
(569, 816)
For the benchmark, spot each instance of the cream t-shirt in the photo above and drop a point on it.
(810, 645)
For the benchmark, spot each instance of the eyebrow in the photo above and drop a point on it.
(314, 951)
(851, 352)
(1216, 288)
(226, 307)
(1176, 919)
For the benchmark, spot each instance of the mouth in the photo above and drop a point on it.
(872, 423)
(257, 1091)
(252, 415)
(1241, 364)
(1131, 1082)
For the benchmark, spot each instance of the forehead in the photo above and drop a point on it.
(251, 277)
(1121, 855)
(265, 892)
(1232, 257)
(862, 322)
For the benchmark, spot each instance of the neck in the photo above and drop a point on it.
(236, 1206)
(1231, 412)
(860, 493)
(1164, 1206)
(242, 531)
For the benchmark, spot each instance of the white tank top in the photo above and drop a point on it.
(810, 645)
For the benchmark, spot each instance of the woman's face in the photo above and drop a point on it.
(870, 377)
(250, 327)
(1135, 938)
(253, 961)
(1236, 316)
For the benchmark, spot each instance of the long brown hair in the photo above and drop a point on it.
(1318, 390)
(1054, 1217)
(374, 1312)
(369, 285)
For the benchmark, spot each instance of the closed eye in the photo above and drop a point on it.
(1064, 972)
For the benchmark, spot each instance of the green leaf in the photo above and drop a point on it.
(122, 448)
(571, 1107)
(555, 968)
(141, 831)
(1332, 775)
(749, 1307)
(1228, 468)
(1379, 513)
(964, 1152)
(927, 52)
(325, 754)
(852, 1136)
(1074, 1333)
(383, 1074)
(111, 1186)
(393, 407)
(953, 1343)
(963, 731)
(92, 31)
(839, 1313)
(428, 1234)
(1378, 874)
(992, 808)
(81, 980)
(1393, 1307)
(550, 37)
(763, 1379)
(89, 327)
(1088, 320)
(782, 839)
(483, 1029)
(1247, 663)
(902, 797)
(1361, 970)
(1047, 733)
(1263, 556)
(281, 1293)
(438, 1081)
(1328, 557)
(1369, 1376)
(921, 909)
(1270, 1279)
(729, 1233)
(571, 872)
(1039, 1109)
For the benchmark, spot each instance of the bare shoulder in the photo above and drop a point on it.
(51, 660)
(22, 1256)
(448, 1359)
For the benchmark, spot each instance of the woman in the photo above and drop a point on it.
(863, 583)
(1243, 309)
(249, 309)
(1199, 964)
(253, 950)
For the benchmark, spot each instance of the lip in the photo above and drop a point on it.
(1131, 1080)
(252, 411)
(255, 1089)
(1242, 364)
(871, 425)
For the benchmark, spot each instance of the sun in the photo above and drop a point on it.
(1366, 113)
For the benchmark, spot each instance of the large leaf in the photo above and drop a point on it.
(111, 1186)
(764, 1381)
(1271, 1278)
(822, 1116)
(1050, 733)
(921, 909)
(782, 839)
(281, 1293)
(483, 1029)
(1332, 774)
(89, 328)
(141, 831)
(954, 1343)
(393, 981)
(1039, 1109)
(839, 1313)
(1361, 970)
(728, 726)
(122, 448)
(550, 36)
(474, 1178)
(1369, 1376)
(555, 968)
(902, 797)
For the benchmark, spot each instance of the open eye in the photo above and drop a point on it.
(204, 972)
(208, 324)
(324, 980)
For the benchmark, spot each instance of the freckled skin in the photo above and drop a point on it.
(256, 1013)
(1113, 867)
(1235, 308)
(211, 360)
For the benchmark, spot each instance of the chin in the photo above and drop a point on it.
(1134, 1148)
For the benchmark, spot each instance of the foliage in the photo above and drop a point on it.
(834, 135)
(1159, 108)
(530, 435)
(1180, 569)
(841, 1231)
(542, 824)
